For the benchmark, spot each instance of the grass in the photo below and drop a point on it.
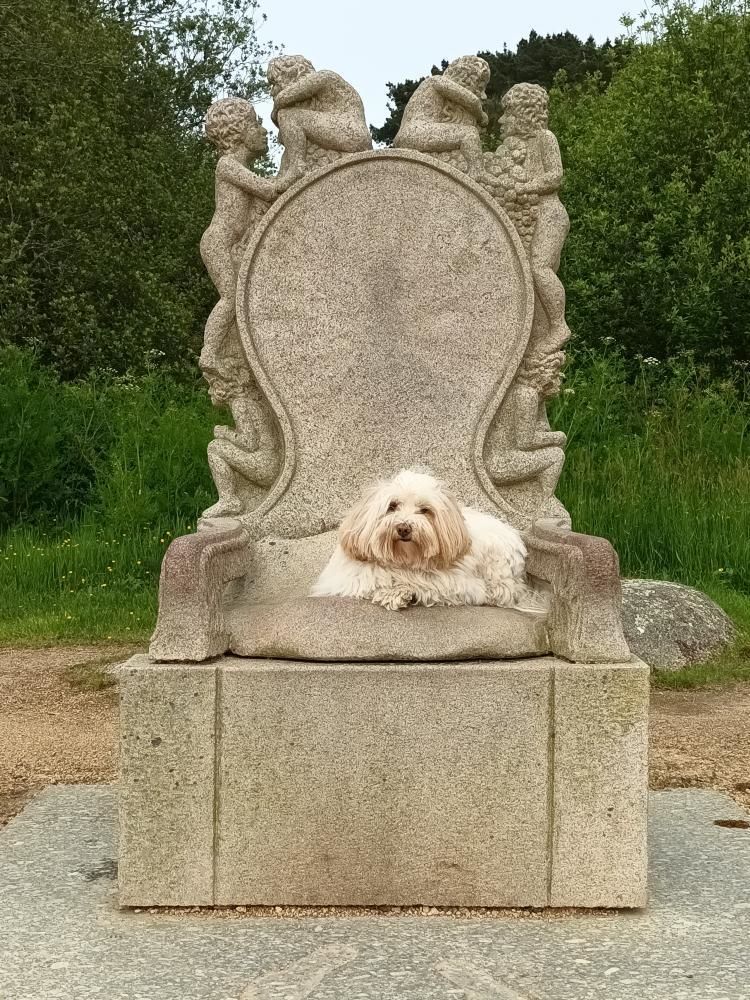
(730, 666)
(658, 461)
(80, 584)
(92, 675)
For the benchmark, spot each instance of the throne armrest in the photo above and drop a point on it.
(194, 574)
(585, 617)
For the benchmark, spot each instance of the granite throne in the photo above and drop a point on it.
(383, 309)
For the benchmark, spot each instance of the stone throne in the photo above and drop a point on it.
(387, 314)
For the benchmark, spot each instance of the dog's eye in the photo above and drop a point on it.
(425, 510)
(393, 505)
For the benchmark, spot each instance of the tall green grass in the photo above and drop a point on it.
(658, 461)
(97, 477)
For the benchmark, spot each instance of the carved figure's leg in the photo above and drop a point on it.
(343, 132)
(546, 246)
(436, 137)
(298, 126)
(217, 329)
(513, 467)
(216, 252)
(223, 474)
(293, 136)
(548, 478)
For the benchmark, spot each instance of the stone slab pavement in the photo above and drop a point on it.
(62, 935)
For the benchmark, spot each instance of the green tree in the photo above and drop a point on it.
(536, 59)
(105, 182)
(658, 190)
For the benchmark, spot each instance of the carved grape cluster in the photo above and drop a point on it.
(508, 166)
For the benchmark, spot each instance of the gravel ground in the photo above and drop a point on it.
(701, 738)
(52, 732)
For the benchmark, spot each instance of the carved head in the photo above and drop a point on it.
(525, 110)
(284, 70)
(411, 521)
(471, 72)
(232, 123)
(542, 372)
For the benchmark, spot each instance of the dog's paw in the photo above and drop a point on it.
(394, 598)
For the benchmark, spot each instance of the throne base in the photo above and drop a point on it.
(489, 783)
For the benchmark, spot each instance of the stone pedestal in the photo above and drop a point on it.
(485, 783)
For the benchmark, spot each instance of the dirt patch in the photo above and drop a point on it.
(701, 738)
(53, 729)
(58, 724)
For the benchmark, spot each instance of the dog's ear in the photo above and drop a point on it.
(355, 532)
(452, 535)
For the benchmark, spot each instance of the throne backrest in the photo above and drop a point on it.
(384, 305)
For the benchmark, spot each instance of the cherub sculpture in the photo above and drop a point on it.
(242, 197)
(247, 454)
(314, 108)
(522, 446)
(529, 173)
(444, 113)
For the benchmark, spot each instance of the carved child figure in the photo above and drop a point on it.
(317, 107)
(445, 112)
(242, 197)
(249, 451)
(535, 173)
(523, 445)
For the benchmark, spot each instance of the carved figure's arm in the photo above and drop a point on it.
(228, 169)
(301, 90)
(551, 179)
(453, 91)
(229, 434)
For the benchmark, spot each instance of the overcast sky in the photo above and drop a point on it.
(370, 42)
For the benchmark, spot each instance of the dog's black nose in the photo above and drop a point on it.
(404, 531)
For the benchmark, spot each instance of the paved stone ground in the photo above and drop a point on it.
(62, 936)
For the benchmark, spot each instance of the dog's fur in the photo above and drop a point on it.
(408, 542)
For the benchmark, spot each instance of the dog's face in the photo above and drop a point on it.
(411, 522)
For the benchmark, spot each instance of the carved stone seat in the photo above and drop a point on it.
(387, 315)
(333, 629)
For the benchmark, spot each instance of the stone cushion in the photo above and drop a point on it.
(333, 629)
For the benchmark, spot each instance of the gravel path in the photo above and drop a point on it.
(702, 738)
(52, 732)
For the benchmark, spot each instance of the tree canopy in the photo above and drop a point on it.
(106, 184)
(658, 190)
(536, 59)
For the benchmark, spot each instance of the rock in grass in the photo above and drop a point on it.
(670, 626)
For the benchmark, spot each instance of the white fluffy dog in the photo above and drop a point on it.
(408, 542)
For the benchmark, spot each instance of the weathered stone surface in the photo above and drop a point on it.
(194, 575)
(383, 783)
(344, 628)
(166, 783)
(584, 622)
(387, 312)
(600, 785)
(416, 302)
(319, 115)
(517, 782)
(670, 625)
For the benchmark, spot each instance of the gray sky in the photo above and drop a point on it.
(373, 41)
